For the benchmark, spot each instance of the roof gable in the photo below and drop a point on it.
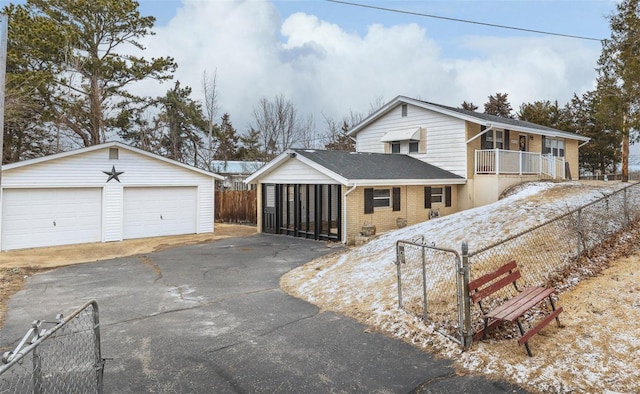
(471, 116)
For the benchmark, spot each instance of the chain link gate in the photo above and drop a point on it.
(429, 278)
(63, 359)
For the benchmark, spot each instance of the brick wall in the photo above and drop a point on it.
(384, 218)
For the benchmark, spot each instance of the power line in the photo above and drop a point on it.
(464, 20)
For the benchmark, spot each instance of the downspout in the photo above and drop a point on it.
(344, 213)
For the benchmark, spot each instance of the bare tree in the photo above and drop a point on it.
(308, 133)
(279, 125)
(210, 87)
(376, 104)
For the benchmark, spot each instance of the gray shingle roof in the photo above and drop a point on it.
(497, 119)
(362, 165)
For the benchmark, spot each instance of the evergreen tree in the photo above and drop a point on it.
(499, 105)
(583, 115)
(227, 148)
(80, 70)
(544, 113)
(182, 126)
(469, 106)
(619, 76)
(250, 149)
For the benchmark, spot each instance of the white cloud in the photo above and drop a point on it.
(322, 68)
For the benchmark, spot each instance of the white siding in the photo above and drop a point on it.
(86, 170)
(112, 214)
(446, 147)
(294, 171)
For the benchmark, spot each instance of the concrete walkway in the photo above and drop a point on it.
(211, 318)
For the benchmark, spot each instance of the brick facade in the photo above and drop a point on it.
(384, 218)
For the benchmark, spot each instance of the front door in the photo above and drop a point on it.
(269, 216)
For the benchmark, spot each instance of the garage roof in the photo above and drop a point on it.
(364, 168)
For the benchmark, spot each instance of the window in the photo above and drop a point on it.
(553, 147)
(113, 153)
(437, 195)
(376, 198)
(413, 146)
(381, 198)
(493, 139)
(395, 147)
(404, 110)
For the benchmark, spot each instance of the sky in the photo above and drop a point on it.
(330, 59)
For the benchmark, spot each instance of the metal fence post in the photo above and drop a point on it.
(399, 260)
(467, 334)
(626, 208)
(424, 282)
(579, 232)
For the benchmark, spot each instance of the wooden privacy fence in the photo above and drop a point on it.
(236, 206)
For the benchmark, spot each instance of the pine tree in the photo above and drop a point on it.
(227, 147)
(619, 76)
(499, 105)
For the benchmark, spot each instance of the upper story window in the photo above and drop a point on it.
(395, 147)
(414, 146)
(404, 110)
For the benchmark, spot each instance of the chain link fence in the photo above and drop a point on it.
(428, 284)
(65, 358)
(547, 255)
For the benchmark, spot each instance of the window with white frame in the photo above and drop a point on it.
(395, 147)
(414, 146)
(553, 147)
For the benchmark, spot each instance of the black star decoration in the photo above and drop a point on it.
(113, 174)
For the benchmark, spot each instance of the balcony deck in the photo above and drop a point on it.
(509, 162)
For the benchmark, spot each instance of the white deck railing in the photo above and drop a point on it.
(512, 162)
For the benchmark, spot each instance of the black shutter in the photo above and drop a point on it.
(447, 196)
(396, 198)
(507, 141)
(427, 197)
(368, 200)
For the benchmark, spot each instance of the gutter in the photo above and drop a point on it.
(583, 144)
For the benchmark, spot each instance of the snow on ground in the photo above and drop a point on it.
(584, 356)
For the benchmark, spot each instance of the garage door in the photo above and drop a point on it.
(156, 211)
(47, 217)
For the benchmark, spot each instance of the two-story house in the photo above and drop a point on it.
(414, 161)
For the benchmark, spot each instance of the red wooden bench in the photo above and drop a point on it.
(514, 308)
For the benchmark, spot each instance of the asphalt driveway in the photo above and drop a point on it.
(211, 318)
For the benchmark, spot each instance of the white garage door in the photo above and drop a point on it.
(156, 211)
(47, 217)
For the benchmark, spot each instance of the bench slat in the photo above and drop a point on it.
(539, 326)
(476, 283)
(497, 285)
(515, 307)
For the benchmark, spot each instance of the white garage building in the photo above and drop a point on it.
(103, 193)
